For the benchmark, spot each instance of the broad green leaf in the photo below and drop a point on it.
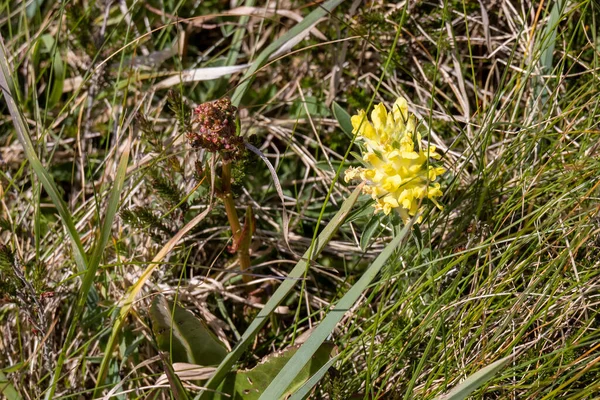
(356, 156)
(548, 37)
(473, 382)
(250, 384)
(324, 329)
(184, 336)
(546, 45)
(33, 8)
(282, 291)
(343, 118)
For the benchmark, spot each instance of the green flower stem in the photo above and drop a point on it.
(241, 239)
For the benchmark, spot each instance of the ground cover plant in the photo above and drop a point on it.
(287, 199)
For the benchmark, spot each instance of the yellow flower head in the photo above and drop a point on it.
(397, 171)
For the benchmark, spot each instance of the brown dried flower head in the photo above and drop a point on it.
(213, 129)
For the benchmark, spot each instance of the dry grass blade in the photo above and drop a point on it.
(199, 74)
(188, 372)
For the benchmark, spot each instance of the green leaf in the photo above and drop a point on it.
(250, 384)
(134, 290)
(282, 291)
(324, 329)
(548, 38)
(7, 390)
(343, 118)
(184, 336)
(357, 156)
(33, 8)
(473, 382)
(546, 47)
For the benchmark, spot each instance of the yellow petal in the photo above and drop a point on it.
(393, 154)
(391, 201)
(367, 174)
(362, 126)
(400, 110)
(434, 172)
(392, 183)
(411, 155)
(387, 208)
(379, 117)
(406, 198)
(370, 157)
(437, 204)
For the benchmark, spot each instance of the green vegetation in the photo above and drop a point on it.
(143, 230)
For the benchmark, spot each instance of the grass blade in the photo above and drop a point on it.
(292, 34)
(90, 273)
(9, 91)
(305, 389)
(473, 382)
(282, 291)
(319, 335)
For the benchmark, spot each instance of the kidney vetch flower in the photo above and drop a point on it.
(398, 172)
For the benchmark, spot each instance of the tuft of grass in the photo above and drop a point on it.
(103, 205)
